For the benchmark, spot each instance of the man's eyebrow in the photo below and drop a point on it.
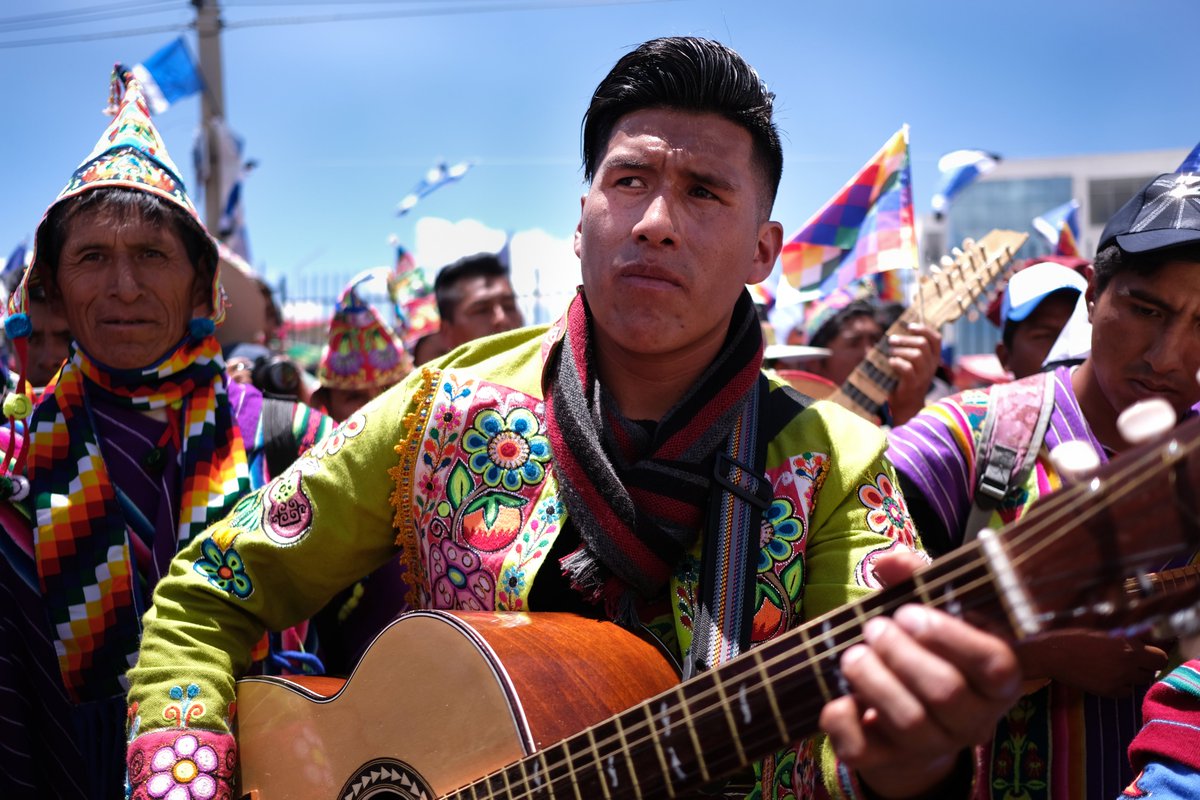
(1141, 295)
(626, 162)
(712, 179)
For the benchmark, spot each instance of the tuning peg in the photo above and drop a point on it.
(1146, 420)
(1074, 461)
(1179, 624)
(947, 262)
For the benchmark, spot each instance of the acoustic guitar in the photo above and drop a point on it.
(940, 299)
(488, 705)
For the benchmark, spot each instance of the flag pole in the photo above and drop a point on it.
(212, 104)
(916, 242)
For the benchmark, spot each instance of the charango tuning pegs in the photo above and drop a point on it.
(1146, 420)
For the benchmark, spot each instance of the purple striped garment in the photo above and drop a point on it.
(1058, 743)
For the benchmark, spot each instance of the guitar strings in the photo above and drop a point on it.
(1059, 508)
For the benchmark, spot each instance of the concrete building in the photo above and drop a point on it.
(1019, 190)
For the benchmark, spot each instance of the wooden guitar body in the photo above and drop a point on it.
(439, 700)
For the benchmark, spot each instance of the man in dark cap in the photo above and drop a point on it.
(1144, 306)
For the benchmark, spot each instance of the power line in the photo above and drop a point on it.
(88, 37)
(86, 14)
(441, 10)
(343, 3)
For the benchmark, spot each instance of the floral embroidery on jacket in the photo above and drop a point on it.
(224, 569)
(507, 450)
(186, 707)
(886, 512)
(459, 578)
(484, 501)
(184, 770)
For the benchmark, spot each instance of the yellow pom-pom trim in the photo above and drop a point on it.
(17, 406)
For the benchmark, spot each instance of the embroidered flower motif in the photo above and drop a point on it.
(187, 707)
(184, 770)
(549, 511)
(459, 578)
(781, 529)
(448, 416)
(507, 450)
(886, 513)
(349, 428)
(224, 569)
(512, 580)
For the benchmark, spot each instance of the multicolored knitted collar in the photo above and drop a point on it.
(81, 542)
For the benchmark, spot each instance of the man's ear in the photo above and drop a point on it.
(766, 250)
(1002, 354)
(579, 227)
(202, 297)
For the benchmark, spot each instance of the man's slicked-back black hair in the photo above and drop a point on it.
(688, 74)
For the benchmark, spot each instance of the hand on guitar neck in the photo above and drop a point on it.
(914, 358)
(922, 686)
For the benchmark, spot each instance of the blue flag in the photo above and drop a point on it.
(14, 268)
(1192, 162)
(959, 169)
(169, 75)
(434, 179)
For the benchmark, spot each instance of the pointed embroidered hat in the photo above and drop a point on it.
(362, 351)
(130, 154)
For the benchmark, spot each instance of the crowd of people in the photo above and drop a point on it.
(175, 515)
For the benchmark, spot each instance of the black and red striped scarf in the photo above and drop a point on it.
(638, 493)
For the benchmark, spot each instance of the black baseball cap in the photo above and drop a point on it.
(1165, 213)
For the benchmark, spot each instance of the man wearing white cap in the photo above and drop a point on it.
(1037, 303)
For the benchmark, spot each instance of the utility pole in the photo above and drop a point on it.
(212, 105)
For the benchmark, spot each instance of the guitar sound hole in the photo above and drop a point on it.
(386, 779)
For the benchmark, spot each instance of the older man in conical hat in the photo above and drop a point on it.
(140, 444)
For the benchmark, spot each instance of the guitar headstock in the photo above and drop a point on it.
(1083, 556)
(963, 279)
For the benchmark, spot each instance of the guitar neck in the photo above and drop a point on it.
(1168, 580)
(720, 721)
(867, 388)
(941, 298)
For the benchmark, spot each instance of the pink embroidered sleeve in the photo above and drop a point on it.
(181, 763)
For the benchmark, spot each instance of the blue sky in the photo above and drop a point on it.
(344, 117)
